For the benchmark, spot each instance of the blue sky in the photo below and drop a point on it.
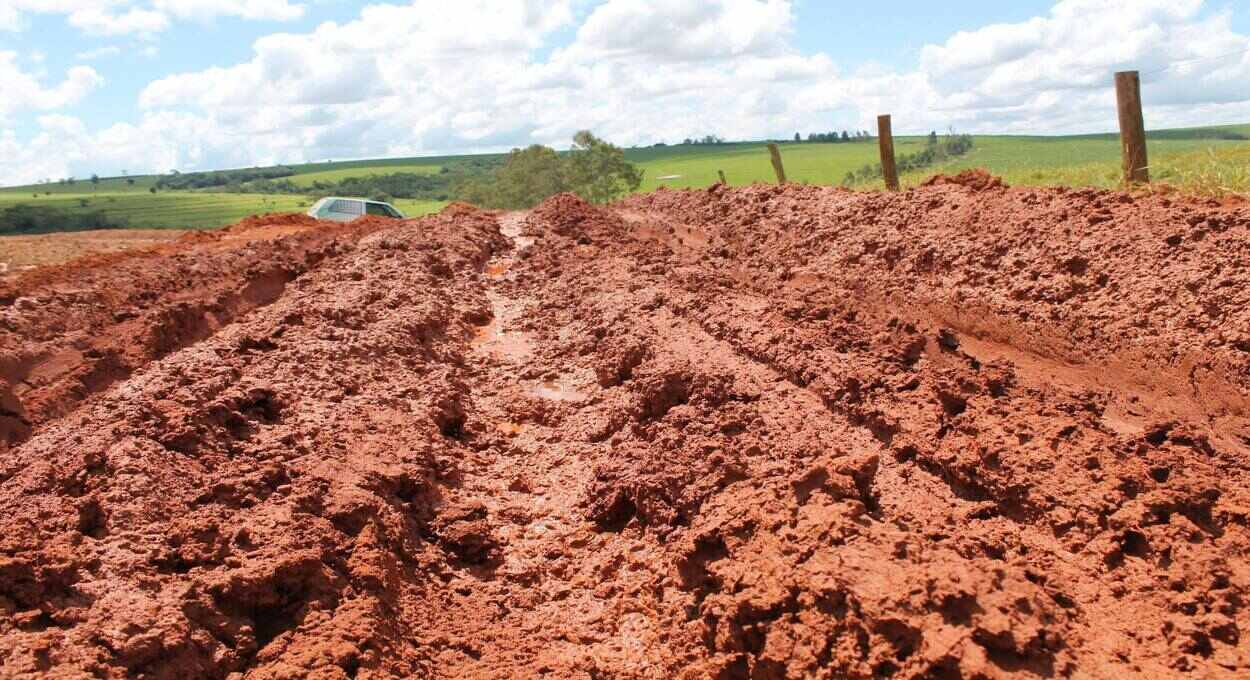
(153, 85)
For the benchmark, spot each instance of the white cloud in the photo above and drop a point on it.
(103, 22)
(23, 91)
(64, 147)
(98, 53)
(143, 17)
(688, 30)
(478, 75)
(1054, 73)
(271, 10)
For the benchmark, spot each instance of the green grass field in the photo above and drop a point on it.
(186, 209)
(308, 179)
(1194, 159)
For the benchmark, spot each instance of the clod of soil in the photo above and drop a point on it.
(962, 431)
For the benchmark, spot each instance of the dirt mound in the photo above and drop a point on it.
(746, 433)
(976, 179)
(73, 330)
(270, 220)
(569, 215)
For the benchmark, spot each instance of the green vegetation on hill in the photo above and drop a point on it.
(37, 219)
(171, 209)
(1208, 160)
(593, 169)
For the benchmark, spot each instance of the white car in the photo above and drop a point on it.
(348, 209)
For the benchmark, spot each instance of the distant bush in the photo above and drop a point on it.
(594, 169)
(221, 178)
(438, 186)
(40, 219)
(935, 151)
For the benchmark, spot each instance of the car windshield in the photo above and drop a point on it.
(381, 209)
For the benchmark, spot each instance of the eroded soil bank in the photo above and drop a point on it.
(964, 431)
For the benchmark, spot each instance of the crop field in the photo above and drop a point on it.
(1198, 160)
(308, 179)
(185, 209)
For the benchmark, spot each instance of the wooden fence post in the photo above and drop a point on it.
(722, 177)
(885, 138)
(1132, 127)
(781, 171)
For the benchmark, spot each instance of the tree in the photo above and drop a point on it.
(846, 137)
(598, 171)
(527, 177)
(593, 168)
(933, 140)
(798, 137)
(95, 179)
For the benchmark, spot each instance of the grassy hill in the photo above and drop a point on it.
(1204, 159)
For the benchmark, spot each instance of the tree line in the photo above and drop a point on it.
(593, 169)
(936, 150)
(217, 179)
(835, 137)
(40, 219)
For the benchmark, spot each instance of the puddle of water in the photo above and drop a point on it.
(509, 427)
(494, 339)
(511, 227)
(560, 389)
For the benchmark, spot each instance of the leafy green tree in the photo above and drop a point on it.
(526, 178)
(598, 171)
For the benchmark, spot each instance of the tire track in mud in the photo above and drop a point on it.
(266, 505)
(979, 487)
(598, 453)
(93, 336)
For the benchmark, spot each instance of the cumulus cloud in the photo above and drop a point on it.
(688, 30)
(98, 53)
(143, 17)
(482, 75)
(24, 91)
(272, 10)
(1053, 73)
(96, 21)
(63, 146)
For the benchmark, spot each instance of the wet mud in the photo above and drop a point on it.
(964, 431)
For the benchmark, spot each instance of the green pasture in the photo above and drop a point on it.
(1189, 162)
(185, 209)
(1201, 160)
(697, 166)
(310, 178)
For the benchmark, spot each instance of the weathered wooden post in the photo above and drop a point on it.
(885, 137)
(722, 177)
(781, 171)
(1132, 127)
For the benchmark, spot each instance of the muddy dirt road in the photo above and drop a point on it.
(965, 431)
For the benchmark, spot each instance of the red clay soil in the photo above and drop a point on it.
(963, 431)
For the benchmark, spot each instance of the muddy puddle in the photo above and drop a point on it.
(562, 388)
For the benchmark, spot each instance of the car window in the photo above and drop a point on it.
(345, 207)
(377, 209)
